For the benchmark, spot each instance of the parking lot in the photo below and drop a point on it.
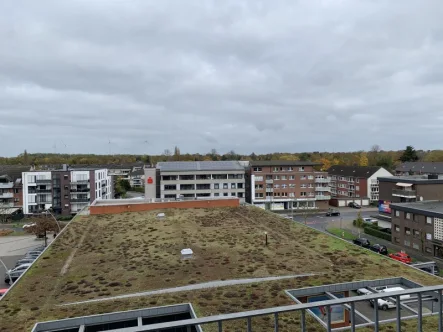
(13, 248)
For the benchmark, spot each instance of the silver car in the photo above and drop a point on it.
(24, 261)
(14, 274)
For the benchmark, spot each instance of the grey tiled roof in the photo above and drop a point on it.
(421, 166)
(423, 206)
(189, 166)
(283, 163)
(354, 171)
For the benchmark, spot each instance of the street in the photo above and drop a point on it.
(13, 248)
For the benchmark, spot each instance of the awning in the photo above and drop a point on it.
(401, 184)
(8, 211)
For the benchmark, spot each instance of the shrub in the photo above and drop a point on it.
(377, 233)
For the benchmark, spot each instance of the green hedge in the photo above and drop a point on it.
(377, 233)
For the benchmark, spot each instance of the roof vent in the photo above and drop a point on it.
(187, 253)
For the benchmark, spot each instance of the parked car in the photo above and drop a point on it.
(370, 220)
(435, 270)
(3, 291)
(401, 257)
(288, 217)
(32, 255)
(362, 242)
(380, 249)
(33, 252)
(14, 274)
(386, 304)
(24, 261)
(365, 291)
(354, 205)
(331, 213)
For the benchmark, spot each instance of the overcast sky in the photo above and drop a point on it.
(248, 76)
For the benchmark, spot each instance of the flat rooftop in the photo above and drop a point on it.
(417, 179)
(192, 166)
(423, 206)
(129, 261)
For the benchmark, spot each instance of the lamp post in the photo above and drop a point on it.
(7, 271)
(266, 238)
(56, 221)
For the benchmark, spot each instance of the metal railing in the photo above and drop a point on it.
(323, 197)
(6, 195)
(322, 180)
(7, 185)
(404, 193)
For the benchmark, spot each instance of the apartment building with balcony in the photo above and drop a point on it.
(64, 191)
(287, 185)
(418, 226)
(419, 168)
(11, 185)
(355, 184)
(406, 189)
(194, 180)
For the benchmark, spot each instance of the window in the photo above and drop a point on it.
(429, 220)
(415, 246)
(303, 177)
(428, 236)
(303, 194)
(397, 213)
(357, 180)
(407, 243)
(284, 186)
(428, 250)
(397, 228)
(277, 194)
(225, 186)
(303, 185)
(170, 187)
(259, 178)
(258, 195)
(283, 177)
(290, 169)
(216, 194)
(66, 196)
(292, 185)
(301, 169)
(397, 240)
(416, 233)
(233, 194)
(276, 186)
(275, 169)
(16, 200)
(217, 186)
(357, 187)
(291, 177)
(240, 195)
(311, 185)
(407, 215)
(15, 191)
(407, 231)
(65, 176)
(257, 186)
(226, 194)
(257, 169)
(240, 185)
(232, 185)
(276, 177)
(311, 194)
(291, 195)
(284, 194)
(310, 177)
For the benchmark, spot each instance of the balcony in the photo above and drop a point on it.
(80, 182)
(43, 181)
(269, 181)
(6, 195)
(7, 185)
(269, 190)
(322, 180)
(322, 197)
(322, 188)
(74, 191)
(404, 193)
(43, 190)
(6, 205)
(80, 199)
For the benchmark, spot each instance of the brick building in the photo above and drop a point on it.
(286, 185)
(355, 183)
(404, 189)
(11, 185)
(418, 226)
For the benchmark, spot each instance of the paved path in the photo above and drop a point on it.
(210, 284)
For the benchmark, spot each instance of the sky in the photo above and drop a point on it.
(142, 76)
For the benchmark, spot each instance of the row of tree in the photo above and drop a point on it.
(374, 157)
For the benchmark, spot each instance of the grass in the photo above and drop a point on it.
(133, 252)
(341, 233)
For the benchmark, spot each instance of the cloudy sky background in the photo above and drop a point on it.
(262, 76)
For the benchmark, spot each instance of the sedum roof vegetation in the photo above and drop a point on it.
(107, 255)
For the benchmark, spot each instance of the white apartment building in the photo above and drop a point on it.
(64, 191)
(198, 179)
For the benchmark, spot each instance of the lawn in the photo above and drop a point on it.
(342, 233)
(101, 256)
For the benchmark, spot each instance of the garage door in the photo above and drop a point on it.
(341, 203)
(365, 202)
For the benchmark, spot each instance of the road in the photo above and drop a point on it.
(12, 248)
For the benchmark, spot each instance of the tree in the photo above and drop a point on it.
(409, 154)
(25, 158)
(363, 159)
(176, 153)
(359, 222)
(385, 162)
(305, 156)
(41, 226)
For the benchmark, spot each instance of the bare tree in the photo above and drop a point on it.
(41, 225)
(176, 153)
(4, 213)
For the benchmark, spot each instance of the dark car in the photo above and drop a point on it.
(431, 269)
(332, 213)
(382, 250)
(362, 242)
(354, 205)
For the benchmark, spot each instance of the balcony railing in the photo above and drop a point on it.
(82, 199)
(322, 180)
(322, 188)
(43, 190)
(79, 181)
(42, 181)
(6, 205)
(404, 193)
(6, 195)
(322, 197)
(74, 191)
(7, 185)
(269, 181)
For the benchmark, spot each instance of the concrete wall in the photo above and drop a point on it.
(139, 207)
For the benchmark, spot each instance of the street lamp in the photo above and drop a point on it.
(56, 221)
(7, 271)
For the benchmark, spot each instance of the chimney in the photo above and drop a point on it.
(65, 167)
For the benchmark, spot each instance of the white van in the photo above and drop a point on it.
(386, 304)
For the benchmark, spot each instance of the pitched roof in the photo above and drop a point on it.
(138, 172)
(421, 166)
(283, 163)
(14, 171)
(354, 171)
(190, 166)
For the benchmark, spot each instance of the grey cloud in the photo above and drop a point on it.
(251, 75)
